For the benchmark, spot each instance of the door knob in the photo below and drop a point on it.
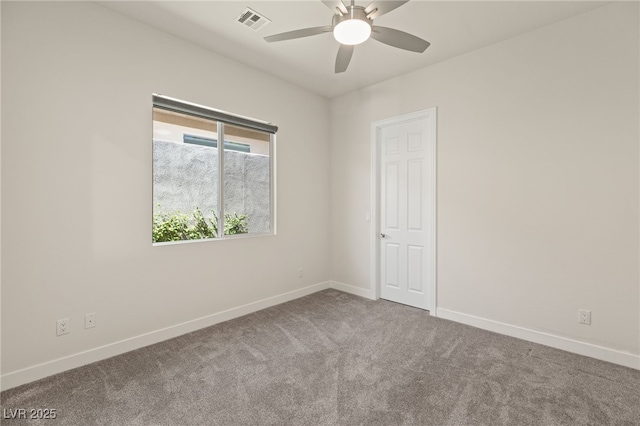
(383, 235)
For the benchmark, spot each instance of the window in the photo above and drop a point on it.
(200, 186)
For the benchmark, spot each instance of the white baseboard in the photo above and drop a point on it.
(626, 359)
(36, 372)
(49, 368)
(358, 291)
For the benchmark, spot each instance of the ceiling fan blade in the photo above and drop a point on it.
(344, 57)
(399, 39)
(306, 32)
(380, 7)
(335, 4)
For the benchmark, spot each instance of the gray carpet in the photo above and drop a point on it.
(336, 359)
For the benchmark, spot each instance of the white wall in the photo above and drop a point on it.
(77, 81)
(538, 179)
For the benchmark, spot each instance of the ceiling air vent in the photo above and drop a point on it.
(252, 19)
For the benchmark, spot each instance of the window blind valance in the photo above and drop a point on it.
(171, 104)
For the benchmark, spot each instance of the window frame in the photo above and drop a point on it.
(223, 118)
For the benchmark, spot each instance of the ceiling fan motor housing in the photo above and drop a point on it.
(353, 12)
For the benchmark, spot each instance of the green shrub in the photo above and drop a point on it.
(178, 226)
(235, 224)
(201, 228)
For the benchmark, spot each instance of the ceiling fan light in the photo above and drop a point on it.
(352, 31)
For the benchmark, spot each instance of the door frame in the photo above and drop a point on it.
(376, 127)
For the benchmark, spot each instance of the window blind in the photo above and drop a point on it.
(171, 104)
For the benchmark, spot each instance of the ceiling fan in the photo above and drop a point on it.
(352, 25)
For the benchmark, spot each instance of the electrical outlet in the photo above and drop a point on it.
(300, 272)
(90, 320)
(62, 327)
(584, 316)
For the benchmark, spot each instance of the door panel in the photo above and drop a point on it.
(392, 260)
(414, 268)
(414, 195)
(392, 198)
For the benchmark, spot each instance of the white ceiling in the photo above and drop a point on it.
(452, 27)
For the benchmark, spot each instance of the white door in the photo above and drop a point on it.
(407, 210)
